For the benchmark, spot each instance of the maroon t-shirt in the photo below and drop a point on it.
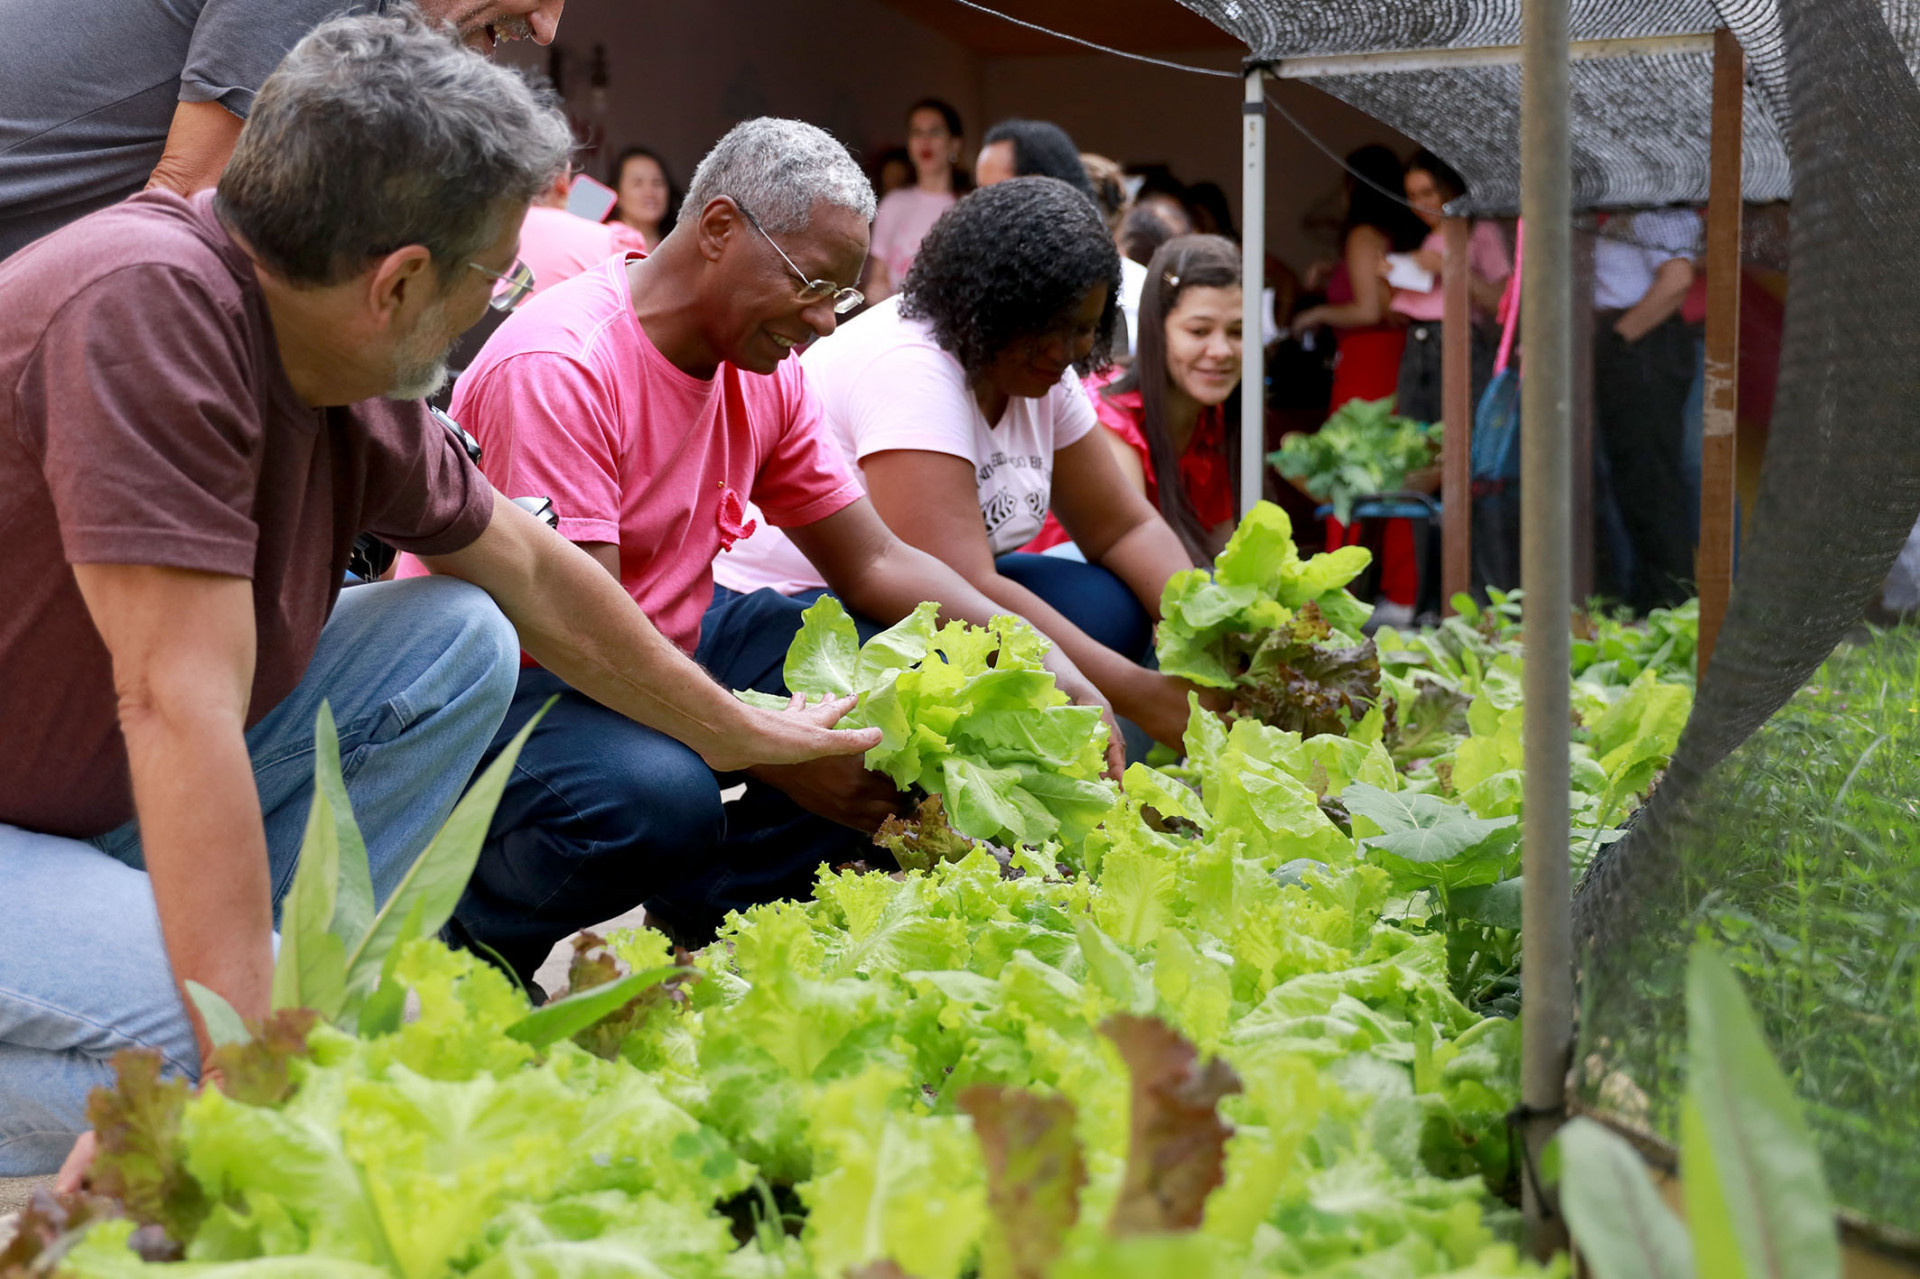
(145, 418)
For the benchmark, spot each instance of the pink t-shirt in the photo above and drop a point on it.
(558, 245)
(885, 383)
(901, 222)
(1486, 258)
(571, 400)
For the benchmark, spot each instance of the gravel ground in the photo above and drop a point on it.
(14, 1192)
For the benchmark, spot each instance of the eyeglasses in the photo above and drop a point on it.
(513, 286)
(844, 299)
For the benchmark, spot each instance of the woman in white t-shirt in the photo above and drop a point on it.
(961, 403)
(934, 139)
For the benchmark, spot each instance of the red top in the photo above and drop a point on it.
(1203, 467)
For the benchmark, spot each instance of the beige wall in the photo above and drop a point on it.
(681, 72)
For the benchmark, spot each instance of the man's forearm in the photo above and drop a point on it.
(900, 577)
(579, 623)
(206, 853)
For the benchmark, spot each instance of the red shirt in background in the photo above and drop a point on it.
(1203, 467)
(145, 418)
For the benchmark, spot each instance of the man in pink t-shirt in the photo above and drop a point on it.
(652, 399)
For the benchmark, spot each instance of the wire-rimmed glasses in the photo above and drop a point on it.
(513, 284)
(844, 299)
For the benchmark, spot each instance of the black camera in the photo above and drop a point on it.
(371, 558)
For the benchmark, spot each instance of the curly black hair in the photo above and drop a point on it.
(1009, 262)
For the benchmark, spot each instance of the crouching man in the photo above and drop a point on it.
(655, 400)
(205, 401)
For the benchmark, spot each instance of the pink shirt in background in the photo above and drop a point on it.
(571, 400)
(558, 245)
(885, 383)
(901, 222)
(627, 239)
(1486, 258)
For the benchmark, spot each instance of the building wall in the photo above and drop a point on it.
(1136, 113)
(681, 72)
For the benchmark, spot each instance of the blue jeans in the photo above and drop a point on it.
(603, 814)
(418, 674)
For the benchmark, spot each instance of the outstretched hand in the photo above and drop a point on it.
(839, 788)
(800, 732)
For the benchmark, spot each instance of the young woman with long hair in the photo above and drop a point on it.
(1170, 418)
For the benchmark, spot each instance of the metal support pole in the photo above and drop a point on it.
(1582, 417)
(1722, 389)
(1456, 410)
(1253, 261)
(1546, 424)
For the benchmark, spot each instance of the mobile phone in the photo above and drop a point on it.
(590, 199)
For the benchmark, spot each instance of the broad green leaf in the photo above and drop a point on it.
(1495, 905)
(565, 1018)
(765, 701)
(1421, 828)
(1152, 788)
(353, 899)
(224, 1025)
(1614, 1211)
(1259, 549)
(310, 970)
(821, 661)
(1756, 1196)
(437, 878)
(386, 1007)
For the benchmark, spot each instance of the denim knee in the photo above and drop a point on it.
(481, 643)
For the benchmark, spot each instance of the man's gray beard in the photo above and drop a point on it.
(417, 382)
(418, 374)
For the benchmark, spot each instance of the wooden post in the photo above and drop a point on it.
(1456, 410)
(1720, 401)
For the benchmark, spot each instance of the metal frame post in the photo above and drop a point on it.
(1546, 424)
(1456, 411)
(1720, 412)
(1253, 262)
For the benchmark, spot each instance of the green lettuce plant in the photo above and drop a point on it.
(968, 713)
(1363, 449)
(1281, 633)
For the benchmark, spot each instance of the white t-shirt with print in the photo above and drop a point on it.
(886, 384)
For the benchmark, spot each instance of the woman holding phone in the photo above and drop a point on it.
(1432, 184)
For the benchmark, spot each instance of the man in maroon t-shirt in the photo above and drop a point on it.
(200, 410)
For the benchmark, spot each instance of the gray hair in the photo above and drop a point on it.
(780, 169)
(380, 132)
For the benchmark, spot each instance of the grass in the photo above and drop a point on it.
(1803, 860)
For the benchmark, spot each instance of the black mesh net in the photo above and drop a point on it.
(1789, 823)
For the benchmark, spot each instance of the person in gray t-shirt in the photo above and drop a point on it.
(100, 98)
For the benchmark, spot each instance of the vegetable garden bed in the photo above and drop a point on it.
(1250, 1014)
